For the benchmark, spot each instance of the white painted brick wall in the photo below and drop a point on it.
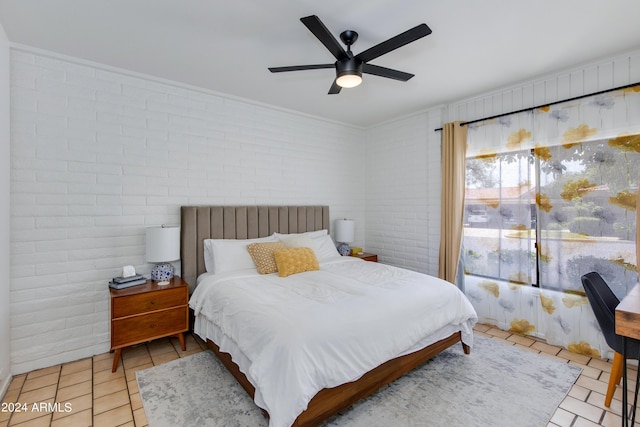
(97, 155)
(402, 186)
(5, 249)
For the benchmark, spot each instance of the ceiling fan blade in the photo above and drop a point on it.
(335, 89)
(393, 43)
(315, 25)
(300, 67)
(386, 72)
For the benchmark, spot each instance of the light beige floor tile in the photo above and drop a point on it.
(480, 327)
(40, 381)
(588, 370)
(612, 420)
(75, 378)
(11, 395)
(17, 381)
(79, 419)
(579, 392)
(102, 356)
(77, 366)
(139, 417)
(110, 401)
(109, 387)
(42, 372)
(161, 346)
(132, 362)
(103, 365)
(578, 358)
(42, 420)
(76, 405)
(585, 410)
(592, 384)
(39, 394)
(115, 417)
(582, 422)
(519, 339)
(601, 364)
(68, 393)
(190, 352)
(136, 401)
(133, 386)
(135, 351)
(546, 348)
(107, 375)
(32, 414)
(499, 333)
(161, 358)
(131, 373)
(563, 418)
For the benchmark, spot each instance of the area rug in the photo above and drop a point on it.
(496, 385)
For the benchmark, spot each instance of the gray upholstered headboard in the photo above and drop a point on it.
(239, 222)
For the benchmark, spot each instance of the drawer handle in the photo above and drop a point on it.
(152, 325)
(153, 302)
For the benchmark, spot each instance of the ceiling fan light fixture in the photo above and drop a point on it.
(349, 73)
(349, 80)
(349, 68)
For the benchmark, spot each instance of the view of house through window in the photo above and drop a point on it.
(547, 215)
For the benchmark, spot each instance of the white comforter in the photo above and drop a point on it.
(323, 328)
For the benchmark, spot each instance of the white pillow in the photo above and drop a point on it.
(223, 255)
(325, 248)
(320, 242)
(298, 241)
(311, 234)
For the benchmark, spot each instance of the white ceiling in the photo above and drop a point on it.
(226, 46)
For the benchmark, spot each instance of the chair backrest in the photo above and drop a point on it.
(603, 302)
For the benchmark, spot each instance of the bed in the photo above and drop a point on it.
(367, 358)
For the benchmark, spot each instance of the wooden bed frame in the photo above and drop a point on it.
(246, 222)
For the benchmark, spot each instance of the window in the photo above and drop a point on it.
(547, 215)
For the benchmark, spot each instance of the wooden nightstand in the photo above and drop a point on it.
(366, 256)
(147, 312)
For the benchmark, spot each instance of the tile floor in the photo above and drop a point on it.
(98, 397)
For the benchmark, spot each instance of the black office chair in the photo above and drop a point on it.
(604, 302)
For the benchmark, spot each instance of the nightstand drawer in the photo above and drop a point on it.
(148, 326)
(149, 301)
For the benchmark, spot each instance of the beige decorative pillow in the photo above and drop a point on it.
(295, 260)
(262, 255)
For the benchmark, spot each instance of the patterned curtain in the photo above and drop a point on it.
(550, 196)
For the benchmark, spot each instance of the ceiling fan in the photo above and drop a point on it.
(349, 68)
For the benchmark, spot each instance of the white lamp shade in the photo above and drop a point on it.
(163, 244)
(345, 230)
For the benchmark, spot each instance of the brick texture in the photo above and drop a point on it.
(98, 155)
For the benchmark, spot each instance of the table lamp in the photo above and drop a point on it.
(345, 234)
(163, 246)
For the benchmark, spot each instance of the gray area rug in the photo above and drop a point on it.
(496, 385)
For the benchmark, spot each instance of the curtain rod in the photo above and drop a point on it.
(545, 105)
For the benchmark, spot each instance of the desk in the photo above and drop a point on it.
(628, 326)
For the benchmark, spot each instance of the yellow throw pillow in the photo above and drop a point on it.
(295, 260)
(262, 255)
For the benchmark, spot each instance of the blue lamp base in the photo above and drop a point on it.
(344, 249)
(162, 271)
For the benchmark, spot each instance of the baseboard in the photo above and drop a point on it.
(5, 380)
